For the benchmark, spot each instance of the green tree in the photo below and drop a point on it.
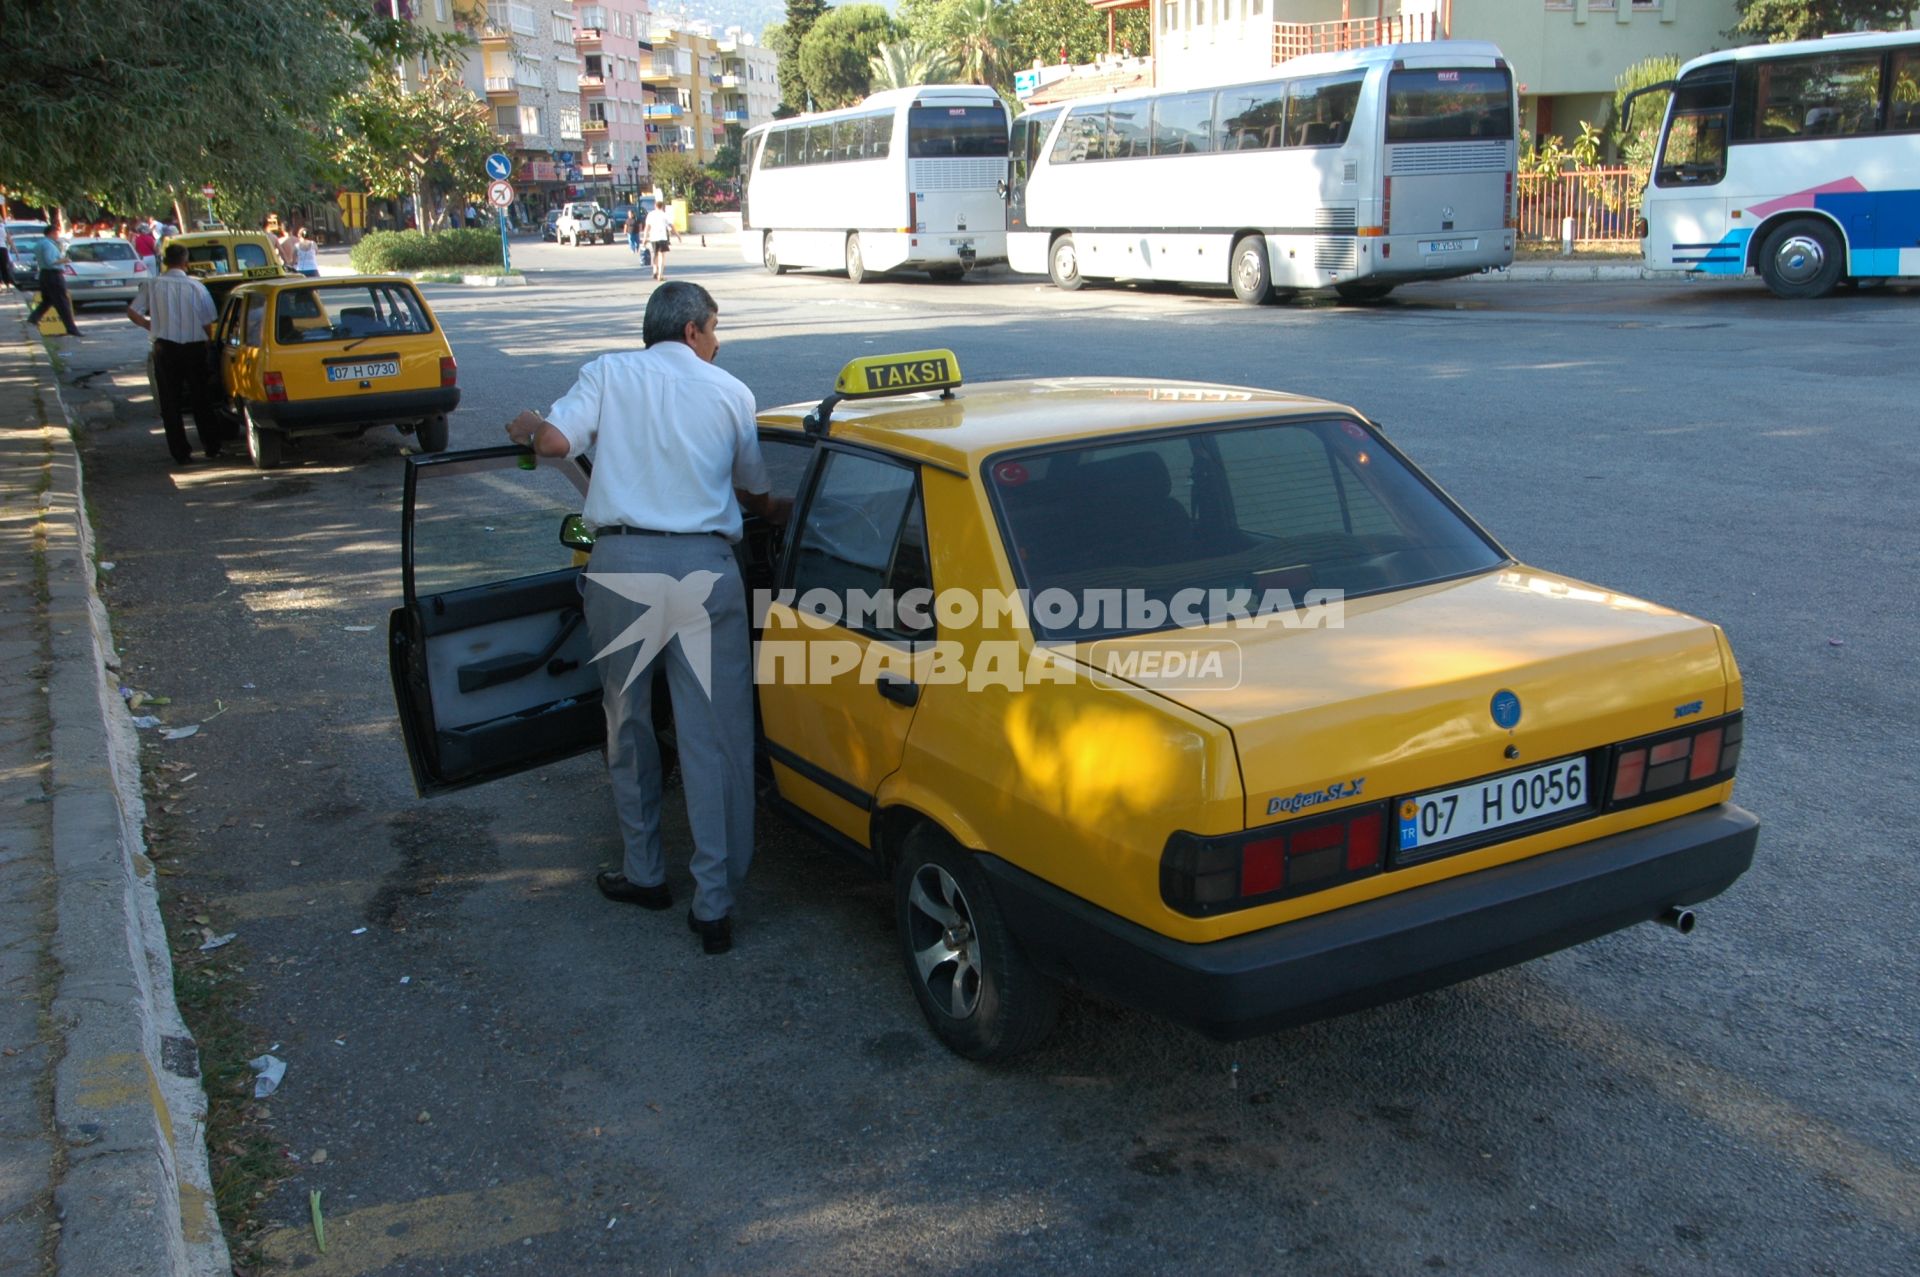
(399, 143)
(907, 62)
(674, 173)
(982, 40)
(1770, 21)
(836, 56)
(785, 40)
(130, 105)
(1041, 29)
(1635, 147)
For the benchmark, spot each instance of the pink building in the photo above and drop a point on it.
(611, 39)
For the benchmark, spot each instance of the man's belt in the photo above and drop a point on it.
(623, 530)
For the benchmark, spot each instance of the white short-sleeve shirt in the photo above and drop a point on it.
(671, 437)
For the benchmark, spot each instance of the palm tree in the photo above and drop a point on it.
(906, 63)
(982, 29)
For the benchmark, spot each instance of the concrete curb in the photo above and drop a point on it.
(129, 1111)
(1574, 272)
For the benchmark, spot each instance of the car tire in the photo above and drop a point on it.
(856, 264)
(769, 258)
(1063, 264)
(981, 996)
(433, 433)
(1251, 273)
(263, 442)
(1803, 259)
(1362, 293)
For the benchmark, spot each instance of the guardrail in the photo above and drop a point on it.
(1297, 39)
(1603, 203)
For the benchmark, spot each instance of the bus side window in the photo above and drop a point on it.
(1903, 95)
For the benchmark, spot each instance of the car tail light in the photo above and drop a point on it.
(1639, 228)
(1513, 217)
(67, 269)
(449, 371)
(913, 214)
(276, 387)
(1386, 206)
(1656, 767)
(139, 267)
(1203, 876)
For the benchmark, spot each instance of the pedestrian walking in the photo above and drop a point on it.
(659, 229)
(633, 231)
(675, 457)
(306, 254)
(178, 311)
(47, 256)
(145, 247)
(285, 245)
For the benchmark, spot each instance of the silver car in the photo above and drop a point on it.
(103, 268)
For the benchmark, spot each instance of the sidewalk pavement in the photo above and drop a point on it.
(103, 1166)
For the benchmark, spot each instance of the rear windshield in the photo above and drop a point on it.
(212, 259)
(101, 252)
(340, 312)
(1468, 104)
(940, 132)
(1208, 520)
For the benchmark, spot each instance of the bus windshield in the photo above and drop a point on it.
(1466, 104)
(943, 132)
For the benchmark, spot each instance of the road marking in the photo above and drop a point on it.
(443, 1227)
(1888, 1186)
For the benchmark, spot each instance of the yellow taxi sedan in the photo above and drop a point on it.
(301, 356)
(1201, 697)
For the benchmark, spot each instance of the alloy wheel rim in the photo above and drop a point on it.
(1800, 258)
(946, 949)
(1249, 271)
(1064, 260)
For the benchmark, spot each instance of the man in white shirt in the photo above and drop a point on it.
(659, 230)
(178, 310)
(675, 455)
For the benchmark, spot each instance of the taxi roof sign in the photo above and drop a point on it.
(874, 375)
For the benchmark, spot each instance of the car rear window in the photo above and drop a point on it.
(345, 312)
(1449, 105)
(207, 259)
(941, 132)
(1233, 513)
(100, 252)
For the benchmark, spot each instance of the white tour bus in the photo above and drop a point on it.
(1356, 171)
(1798, 160)
(911, 179)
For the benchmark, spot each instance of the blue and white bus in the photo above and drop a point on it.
(1800, 161)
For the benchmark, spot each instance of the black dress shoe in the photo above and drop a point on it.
(614, 886)
(715, 936)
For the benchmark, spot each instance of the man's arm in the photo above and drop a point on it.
(531, 430)
(769, 507)
(134, 314)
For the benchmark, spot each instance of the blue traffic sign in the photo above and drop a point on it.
(499, 167)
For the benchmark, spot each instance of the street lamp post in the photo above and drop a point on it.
(633, 178)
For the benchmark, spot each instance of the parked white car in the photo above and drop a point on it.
(582, 222)
(103, 268)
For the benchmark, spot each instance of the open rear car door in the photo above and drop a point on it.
(492, 669)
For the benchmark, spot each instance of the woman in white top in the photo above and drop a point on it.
(306, 255)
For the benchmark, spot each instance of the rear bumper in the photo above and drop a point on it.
(1386, 949)
(314, 416)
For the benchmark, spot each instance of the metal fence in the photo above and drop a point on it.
(1297, 39)
(1603, 203)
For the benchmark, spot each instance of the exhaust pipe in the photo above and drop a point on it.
(1681, 920)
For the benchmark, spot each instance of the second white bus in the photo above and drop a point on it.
(911, 179)
(1356, 171)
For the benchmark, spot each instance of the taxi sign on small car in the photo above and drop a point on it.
(1202, 697)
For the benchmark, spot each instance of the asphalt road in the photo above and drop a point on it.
(508, 1075)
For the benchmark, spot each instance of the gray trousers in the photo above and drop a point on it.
(650, 594)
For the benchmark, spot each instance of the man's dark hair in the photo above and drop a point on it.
(673, 306)
(175, 255)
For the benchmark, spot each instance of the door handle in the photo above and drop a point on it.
(898, 690)
(504, 669)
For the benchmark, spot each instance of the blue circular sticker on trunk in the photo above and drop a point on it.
(1506, 709)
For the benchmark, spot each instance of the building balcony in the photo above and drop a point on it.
(592, 84)
(728, 80)
(665, 111)
(502, 88)
(733, 116)
(587, 38)
(1298, 39)
(652, 73)
(593, 128)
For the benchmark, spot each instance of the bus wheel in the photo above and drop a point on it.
(856, 264)
(1362, 292)
(1063, 264)
(1252, 277)
(769, 258)
(1802, 259)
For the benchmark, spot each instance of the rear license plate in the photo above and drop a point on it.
(363, 372)
(1449, 245)
(103, 283)
(964, 245)
(1430, 822)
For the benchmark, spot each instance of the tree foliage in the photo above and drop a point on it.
(404, 143)
(1771, 21)
(674, 173)
(837, 54)
(1635, 146)
(125, 105)
(904, 63)
(1045, 29)
(785, 40)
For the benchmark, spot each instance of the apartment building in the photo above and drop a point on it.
(685, 76)
(614, 40)
(749, 82)
(1565, 54)
(529, 69)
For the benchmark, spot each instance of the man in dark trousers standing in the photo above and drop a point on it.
(178, 310)
(53, 283)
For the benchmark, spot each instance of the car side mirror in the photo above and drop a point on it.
(575, 534)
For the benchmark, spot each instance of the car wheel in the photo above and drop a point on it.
(856, 264)
(978, 991)
(769, 258)
(263, 442)
(1362, 292)
(1802, 259)
(433, 432)
(1252, 274)
(1063, 264)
